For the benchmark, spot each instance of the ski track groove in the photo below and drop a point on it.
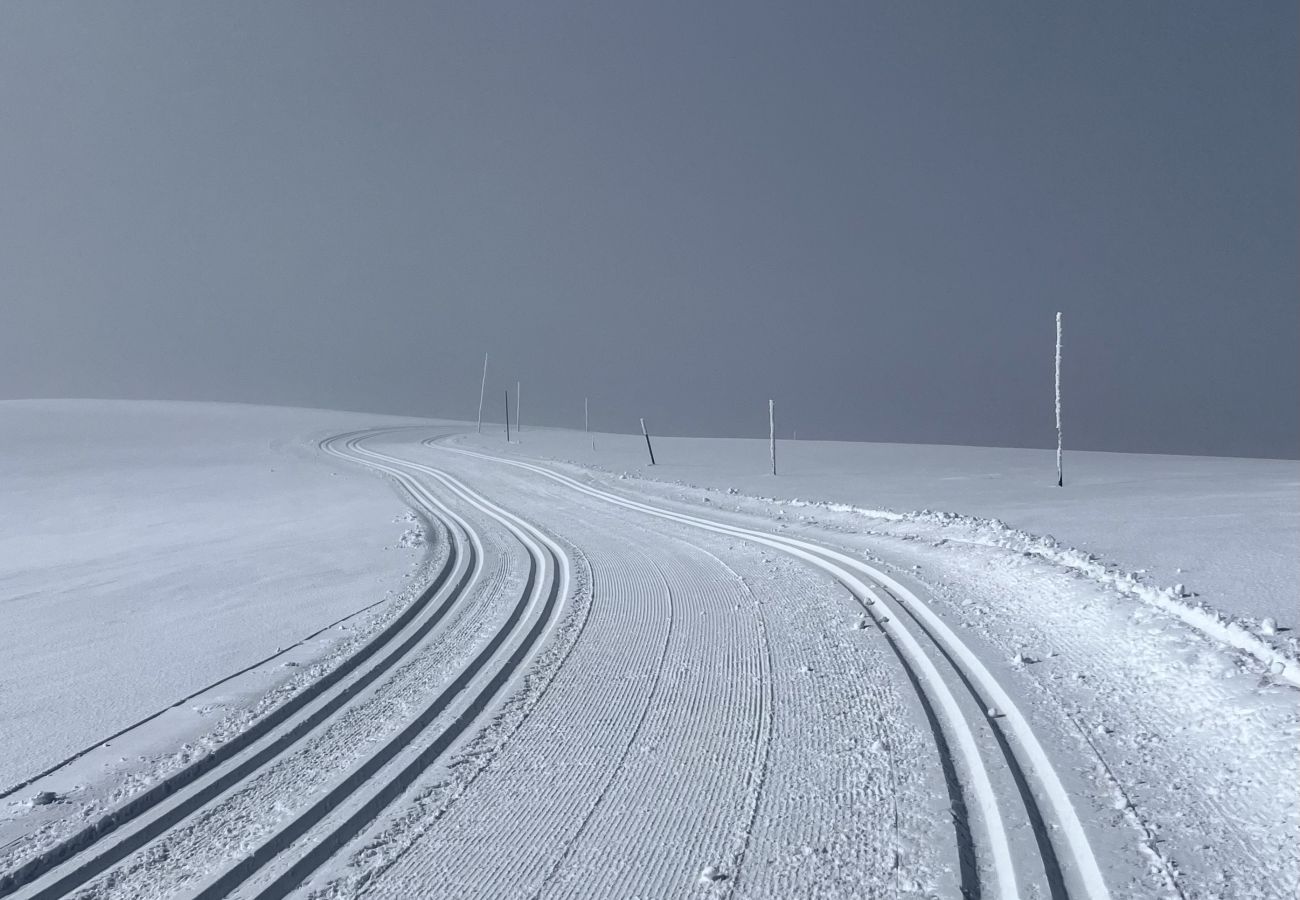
(348, 673)
(418, 813)
(545, 597)
(226, 830)
(689, 723)
(1182, 710)
(146, 862)
(1086, 871)
(620, 613)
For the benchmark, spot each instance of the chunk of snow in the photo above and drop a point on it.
(711, 874)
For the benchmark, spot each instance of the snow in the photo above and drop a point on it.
(1226, 528)
(148, 549)
(889, 670)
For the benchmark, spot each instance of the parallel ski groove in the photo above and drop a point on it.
(141, 804)
(627, 599)
(1036, 760)
(544, 604)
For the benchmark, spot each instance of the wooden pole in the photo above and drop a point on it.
(519, 393)
(647, 442)
(507, 415)
(1060, 476)
(771, 433)
(481, 391)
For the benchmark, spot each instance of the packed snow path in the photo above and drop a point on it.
(602, 695)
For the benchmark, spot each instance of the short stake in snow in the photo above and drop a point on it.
(1060, 477)
(771, 433)
(507, 415)
(647, 441)
(519, 393)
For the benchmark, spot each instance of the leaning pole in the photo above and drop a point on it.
(481, 391)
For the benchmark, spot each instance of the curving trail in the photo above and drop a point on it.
(344, 748)
(603, 695)
(929, 645)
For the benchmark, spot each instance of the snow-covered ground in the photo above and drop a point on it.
(148, 549)
(1226, 528)
(695, 680)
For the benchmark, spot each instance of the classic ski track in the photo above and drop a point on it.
(143, 833)
(964, 662)
(227, 827)
(283, 726)
(632, 606)
(410, 830)
(542, 604)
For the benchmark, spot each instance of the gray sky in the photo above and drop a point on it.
(870, 211)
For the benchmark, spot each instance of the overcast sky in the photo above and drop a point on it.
(868, 211)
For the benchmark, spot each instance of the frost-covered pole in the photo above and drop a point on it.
(647, 442)
(507, 415)
(771, 433)
(481, 391)
(519, 393)
(1060, 477)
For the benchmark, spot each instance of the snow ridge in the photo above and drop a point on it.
(1238, 633)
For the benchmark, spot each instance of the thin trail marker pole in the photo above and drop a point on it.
(771, 433)
(1060, 476)
(519, 393)
(647, 442)
(507, 415)
(586, 423)
(481, 391)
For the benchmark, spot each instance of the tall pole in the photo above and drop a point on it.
(507, 415)
(771, 433)
(647, 442)
(1060, 477)
(519, 393)
(586, 417)
(481, 391)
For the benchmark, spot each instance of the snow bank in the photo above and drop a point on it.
(1208, 540)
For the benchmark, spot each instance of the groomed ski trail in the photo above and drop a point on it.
(882, 598)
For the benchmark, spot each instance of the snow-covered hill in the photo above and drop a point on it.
(875, 674)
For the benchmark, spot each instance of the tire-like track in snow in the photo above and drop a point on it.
(944, 668)
(124, 838)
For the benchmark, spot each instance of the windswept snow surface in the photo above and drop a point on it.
(148, 549)
(690, 681)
